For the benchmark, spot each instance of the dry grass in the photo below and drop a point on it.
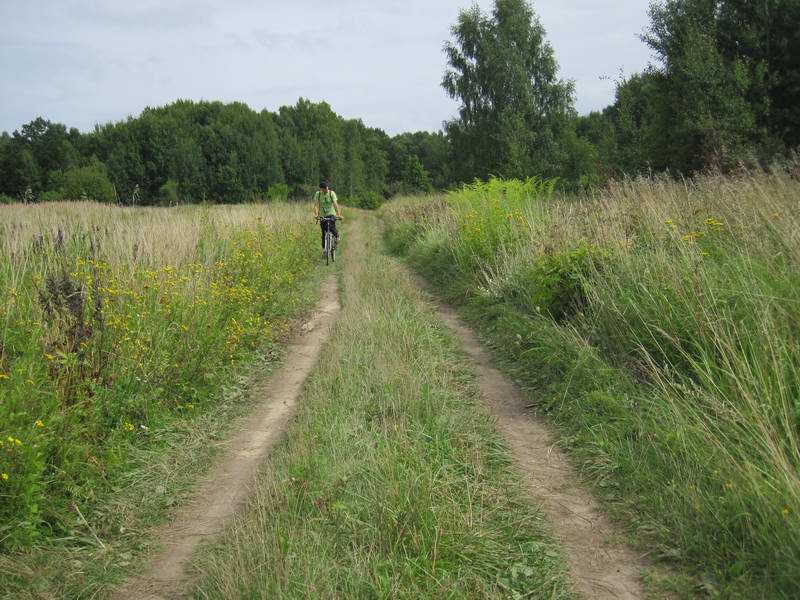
(118, 326)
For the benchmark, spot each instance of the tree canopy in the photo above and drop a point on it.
(514, 108)
(210, 151)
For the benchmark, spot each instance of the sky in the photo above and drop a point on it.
(83, 62)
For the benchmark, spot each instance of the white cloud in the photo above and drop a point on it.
(82, 61)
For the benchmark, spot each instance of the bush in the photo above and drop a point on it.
(4, 199)
(368, 200)
(554, 282)
(168, 193)
(88, 183)
(302, 191)
(278, 191)
(51, 196)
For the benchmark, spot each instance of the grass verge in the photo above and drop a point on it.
(392, 482)
(657, 324)
(124, 339)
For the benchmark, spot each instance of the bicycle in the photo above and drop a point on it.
(329, 251)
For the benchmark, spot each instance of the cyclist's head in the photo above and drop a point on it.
(323, 185)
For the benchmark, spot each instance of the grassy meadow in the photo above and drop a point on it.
(118, 325)
(392, 482)
(657, 323)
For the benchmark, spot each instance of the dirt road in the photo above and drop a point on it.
(601, 566)
(227, 486)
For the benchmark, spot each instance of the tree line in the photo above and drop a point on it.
(210, 151)
(723, 93)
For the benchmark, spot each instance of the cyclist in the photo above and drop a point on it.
(327, 205)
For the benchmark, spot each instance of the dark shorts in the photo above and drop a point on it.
(324, 225)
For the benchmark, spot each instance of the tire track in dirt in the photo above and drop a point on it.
(601, 566)
(226, 487)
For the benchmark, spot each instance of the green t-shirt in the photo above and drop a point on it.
(326, 203)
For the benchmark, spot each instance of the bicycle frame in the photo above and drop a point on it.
(330, 241)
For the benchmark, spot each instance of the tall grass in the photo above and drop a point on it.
(116, 322)
(391, 483)
(659, 322)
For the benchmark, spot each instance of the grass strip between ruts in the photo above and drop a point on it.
(392, 481)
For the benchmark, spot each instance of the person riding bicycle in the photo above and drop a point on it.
(327, 205)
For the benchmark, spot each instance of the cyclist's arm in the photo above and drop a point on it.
(316, 206)
(336, 207)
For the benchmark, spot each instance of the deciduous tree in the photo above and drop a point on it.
(514, 107)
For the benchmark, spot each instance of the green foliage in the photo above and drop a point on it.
(368, 200)
(719, 97)
(20, 172)
(514, 109)
(414, 176)
(27, 156)
(4, 199)
(431, 151)
(707, 118)
(51, 196)
(749, 44)
(212, 151)
(169, 193)
(278, 192)
(87, 183)
(553, 283)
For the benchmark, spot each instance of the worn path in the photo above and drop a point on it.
(227, 486)
(602, 567)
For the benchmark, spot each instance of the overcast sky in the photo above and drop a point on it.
(82, 62)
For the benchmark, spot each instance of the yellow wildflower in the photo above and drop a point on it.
(4, 376)
(129, 427)
(785, 512)
(39, 423)
(4, 476)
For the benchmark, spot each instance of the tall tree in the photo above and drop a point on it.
(514, 108)
(732, 76)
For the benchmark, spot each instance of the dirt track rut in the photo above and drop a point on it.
(601, 566)
(227, 486)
